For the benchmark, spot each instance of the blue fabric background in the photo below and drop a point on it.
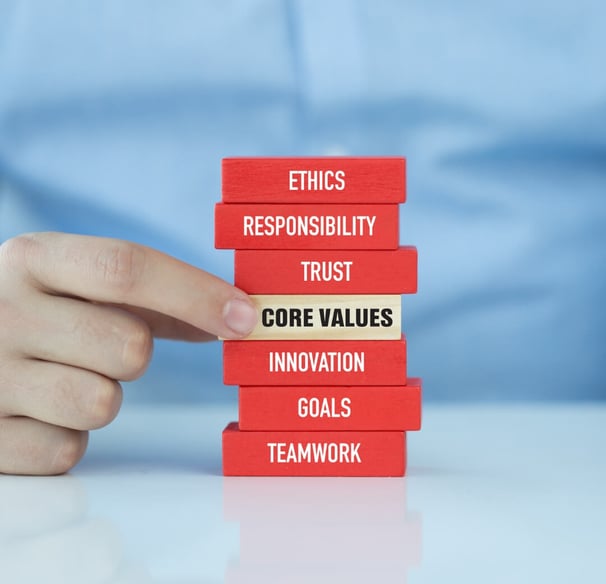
(114, 117)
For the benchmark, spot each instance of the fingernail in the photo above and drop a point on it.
(240, 316)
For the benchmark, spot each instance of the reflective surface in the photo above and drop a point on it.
(499, 494)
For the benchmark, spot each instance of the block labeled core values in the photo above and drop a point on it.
(327, 316)
(313, 453)
(314, 362)
(314, 180)
(331, 408)
(242, 226)
(327, 272)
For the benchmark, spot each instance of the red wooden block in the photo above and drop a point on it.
(306, 226)
(327, 272)
(353, 454)
(314, 180)
(314, 362)
(331, 408)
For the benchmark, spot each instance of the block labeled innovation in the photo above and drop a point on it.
(323, 386)
(303, 362)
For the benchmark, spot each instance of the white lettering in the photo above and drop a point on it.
(314, 452)
(315, 407)
(326, 271)
(316, 362)
(316, 180)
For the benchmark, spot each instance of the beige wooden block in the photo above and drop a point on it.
(324, 317)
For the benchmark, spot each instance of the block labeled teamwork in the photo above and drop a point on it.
(323, 387)
(331, 453)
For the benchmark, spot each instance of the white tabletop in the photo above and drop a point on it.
(493, 494)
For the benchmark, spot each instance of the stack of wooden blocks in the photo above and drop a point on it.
(323, 387)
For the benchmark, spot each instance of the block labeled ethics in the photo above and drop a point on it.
(324, 317)
(314, 180)
(314, 362)
(313, 453)
(244, 226)
(327, 272)
(343, 408)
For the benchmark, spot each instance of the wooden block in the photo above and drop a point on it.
(325, 317)
(331, 408)
(355, 454)
(314, 180)
(314, 362)
(306, 226)
(327, 272)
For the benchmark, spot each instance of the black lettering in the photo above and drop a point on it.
(324, 316)
(267, 317)
(387, 314)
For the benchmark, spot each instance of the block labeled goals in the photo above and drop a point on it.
(314, 180)
(287, 408)
(313, 453)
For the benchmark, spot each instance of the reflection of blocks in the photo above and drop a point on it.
(308, 530)
(238, 574)
(323, 385)
(315, 501)
(398, 543)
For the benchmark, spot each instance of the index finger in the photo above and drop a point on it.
(116, 271)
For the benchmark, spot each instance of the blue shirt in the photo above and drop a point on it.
(114, 117)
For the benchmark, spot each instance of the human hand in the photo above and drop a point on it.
(78, 315)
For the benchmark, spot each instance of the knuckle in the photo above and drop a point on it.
(19, 252)
(137, 350)
(121, 266)
(72, 448)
